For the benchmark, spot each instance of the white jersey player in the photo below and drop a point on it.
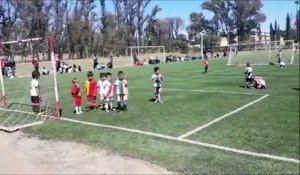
(157, 84)
(248, 75)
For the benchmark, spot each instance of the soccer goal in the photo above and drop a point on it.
(146, 53)
(261, 53)
(17, 108)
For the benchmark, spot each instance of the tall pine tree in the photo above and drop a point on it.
(288, 27)
(271, 32)
(275, 31)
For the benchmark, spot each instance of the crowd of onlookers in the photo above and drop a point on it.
(62, 67)
(8, 66)
(102, 66)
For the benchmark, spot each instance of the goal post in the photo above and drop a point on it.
(261, 53)
(16, 102)
(145, 53)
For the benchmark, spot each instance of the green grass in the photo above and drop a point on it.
(269, 126)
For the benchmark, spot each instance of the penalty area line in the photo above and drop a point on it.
(207, 145)
(221, 117)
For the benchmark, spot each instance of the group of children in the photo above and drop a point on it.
(105, 88)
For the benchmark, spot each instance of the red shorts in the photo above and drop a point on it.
(91, 100)
(77, 101)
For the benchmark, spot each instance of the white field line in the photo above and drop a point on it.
(208, 145)
(170, 89)
(221, 118)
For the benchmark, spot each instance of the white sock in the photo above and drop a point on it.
(106, 106)
(111, 105)
(79, 108)
(158, 96)
(76, 109)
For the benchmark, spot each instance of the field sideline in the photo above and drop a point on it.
(208, 124)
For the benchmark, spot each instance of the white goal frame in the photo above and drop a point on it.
(144, 47)
(51, 48)
(268, 45)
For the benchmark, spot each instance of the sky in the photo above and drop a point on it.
(273, 9)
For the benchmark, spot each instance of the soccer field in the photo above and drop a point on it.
(207, 123)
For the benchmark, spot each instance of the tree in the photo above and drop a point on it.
(222, 14)
(198, 23)
(271, 32)
(288, 27)
(247, 16)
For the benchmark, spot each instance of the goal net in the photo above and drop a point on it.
(146, 54)
(261, 53)
(18, 109)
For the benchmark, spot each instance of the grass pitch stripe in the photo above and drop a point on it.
(203, 90)
(208, 145)
(221, 118)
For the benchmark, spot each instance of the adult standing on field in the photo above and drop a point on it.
(35, 62)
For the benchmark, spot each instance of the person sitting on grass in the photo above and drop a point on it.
(45, 71)
(281, 64)
(248, 75)
(259, 83)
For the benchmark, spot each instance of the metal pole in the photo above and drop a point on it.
(202, 46)
(297, 19)
(138, 42)
(54, 68)
(1, 79)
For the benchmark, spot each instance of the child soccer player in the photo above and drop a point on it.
(91, 92)
(205, 63)
(101, 89)
(35, 93)
(75, 91)
(259, 83)
(121, 91)
(248, 75)
(279, 56)
(157, 84)
(108, 92)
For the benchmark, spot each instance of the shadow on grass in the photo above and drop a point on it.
(296, 89)
(152, 100)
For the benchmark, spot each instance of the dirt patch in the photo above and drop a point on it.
(20, 154)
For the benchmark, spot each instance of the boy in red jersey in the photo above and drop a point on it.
(91, 92)
(75, 91)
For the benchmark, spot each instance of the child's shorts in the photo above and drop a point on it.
(122, 96)
(91, 100)
(35, 99)
(76, 101)
(157, 89)
(109, 99)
